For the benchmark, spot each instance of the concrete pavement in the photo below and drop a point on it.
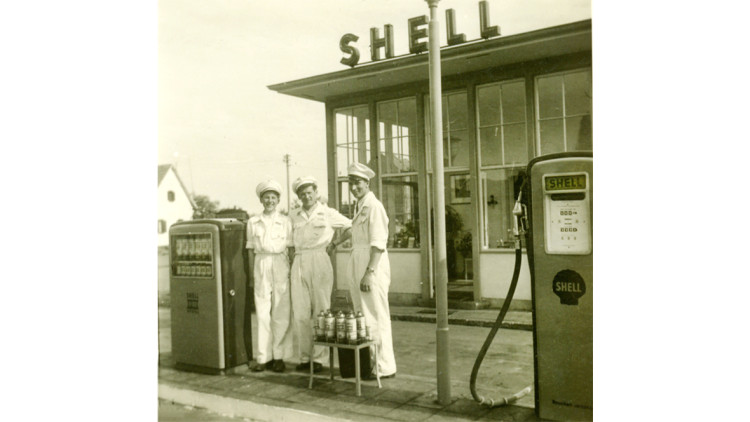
(412, 395)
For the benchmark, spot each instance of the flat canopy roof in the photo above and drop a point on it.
(467, 57)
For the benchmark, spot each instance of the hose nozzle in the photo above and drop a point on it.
(519, 218)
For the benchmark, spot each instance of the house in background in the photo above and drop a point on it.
(175, 203)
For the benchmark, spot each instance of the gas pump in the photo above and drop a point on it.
(561, 262)
(211, 330)
(558, 209)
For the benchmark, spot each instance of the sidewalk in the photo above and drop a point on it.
(411, 396)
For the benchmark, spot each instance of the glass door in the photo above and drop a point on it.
(459, 198)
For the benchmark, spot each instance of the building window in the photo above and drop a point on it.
(170, 196)
(563, 108)
(352, 138)
(400, 198)
(500, 189)
(455, 129)
(397, 149)
(501, 110)
(162, 226)
(397, 136)
(503, 154)
(352, 132)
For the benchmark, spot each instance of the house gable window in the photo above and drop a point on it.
(170, 196)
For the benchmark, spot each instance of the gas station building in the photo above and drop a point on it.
(506, 100)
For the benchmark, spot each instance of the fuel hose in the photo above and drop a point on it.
(478, 362)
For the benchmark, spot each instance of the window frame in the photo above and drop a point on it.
(413, 175)
(564, 118)
(483, 169)
(427, 104)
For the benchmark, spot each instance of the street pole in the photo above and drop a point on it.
(441, 267)
(288, 193)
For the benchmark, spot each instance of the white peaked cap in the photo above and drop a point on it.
(360, 170)
(303, 181)
(267, 185)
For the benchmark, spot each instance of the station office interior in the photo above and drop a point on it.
(506, 100)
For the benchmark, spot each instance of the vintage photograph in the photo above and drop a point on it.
(375, 210)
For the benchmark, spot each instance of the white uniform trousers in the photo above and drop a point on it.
(312, 282)
(374, 304)
(272, 306)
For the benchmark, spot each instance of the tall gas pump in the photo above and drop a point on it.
(210, 304)
(560, 253)
(554, 212)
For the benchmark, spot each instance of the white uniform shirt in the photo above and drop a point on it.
(370, 225)
(269, 234)
(314, 229)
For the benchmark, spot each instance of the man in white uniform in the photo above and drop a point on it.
(369, 268)
(269, 235)
(312, 273)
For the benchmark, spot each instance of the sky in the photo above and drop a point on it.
(220, 125)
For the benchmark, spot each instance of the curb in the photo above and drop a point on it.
(238, 408)
(510, 325)
(463, 321)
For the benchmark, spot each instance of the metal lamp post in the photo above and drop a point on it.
(441, 268)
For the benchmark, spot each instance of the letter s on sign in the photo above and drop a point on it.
(353, 52)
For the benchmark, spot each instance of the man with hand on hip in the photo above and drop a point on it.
(369, 268)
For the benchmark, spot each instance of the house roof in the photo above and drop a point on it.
(164, 169)
(454, 60)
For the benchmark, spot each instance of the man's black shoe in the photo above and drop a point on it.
(257, 367)
(278, 366)
(305, 366)
(372, 377)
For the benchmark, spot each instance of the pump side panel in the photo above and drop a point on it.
(234, 291)
(563, 308)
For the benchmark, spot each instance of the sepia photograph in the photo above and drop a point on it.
(373, 210)
(321, 250)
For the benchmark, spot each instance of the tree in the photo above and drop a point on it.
(204, 207)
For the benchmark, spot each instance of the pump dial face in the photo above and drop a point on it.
(567, 215)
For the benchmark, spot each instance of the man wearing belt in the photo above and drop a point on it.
(369, 269)
(269, 235)
(312, 273)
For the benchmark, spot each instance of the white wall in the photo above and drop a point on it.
(171, 212)
(496, 272)
(406, 271)
(495, 268)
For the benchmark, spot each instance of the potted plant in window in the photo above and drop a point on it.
(408, 230)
